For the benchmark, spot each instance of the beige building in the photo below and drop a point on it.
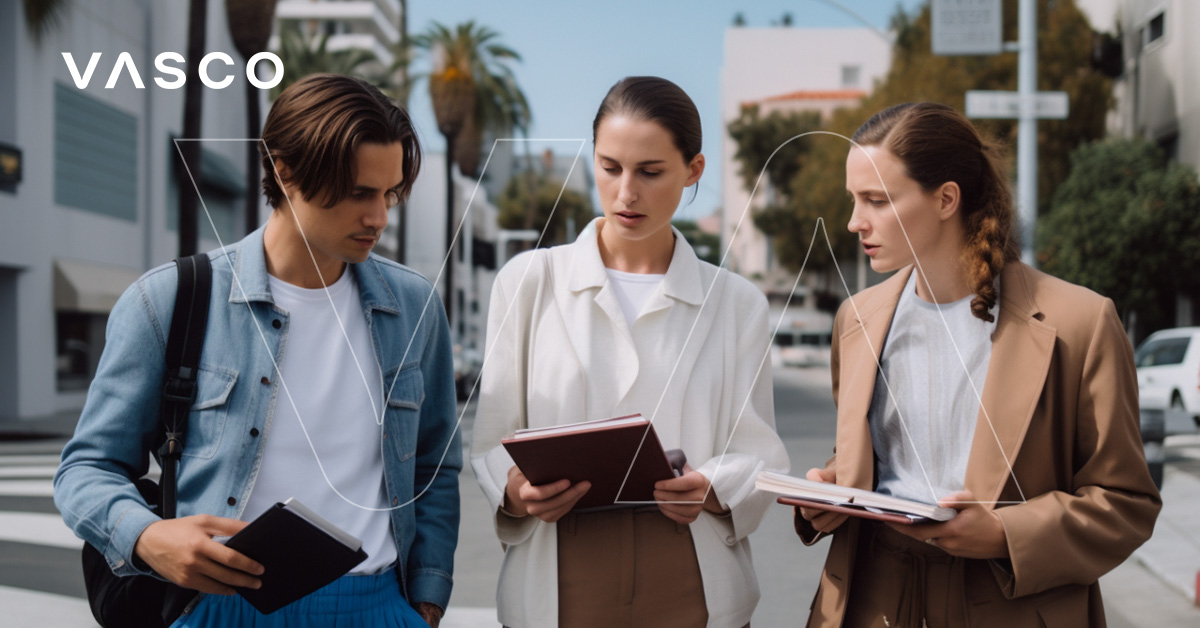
(785, 69)
(1158, 89)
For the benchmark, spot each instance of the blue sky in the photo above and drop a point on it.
(574, 51)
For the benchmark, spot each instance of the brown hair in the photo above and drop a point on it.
(316, 125)
(656, 100)
(937, 144)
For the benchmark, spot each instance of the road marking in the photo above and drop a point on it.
(38, 529)
(35, 608)
(27, 472)
(27, 488)
(39, 459)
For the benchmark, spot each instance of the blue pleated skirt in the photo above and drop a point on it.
(352, 600)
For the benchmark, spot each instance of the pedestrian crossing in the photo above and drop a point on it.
(29, 521)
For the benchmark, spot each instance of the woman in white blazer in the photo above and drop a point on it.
(628, 320)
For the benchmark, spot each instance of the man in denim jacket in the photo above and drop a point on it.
(326, 375)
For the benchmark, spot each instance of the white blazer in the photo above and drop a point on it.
(559, 350)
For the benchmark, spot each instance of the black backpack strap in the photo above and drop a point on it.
(188, 325)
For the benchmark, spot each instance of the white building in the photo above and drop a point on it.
(88, 194)
(785, 68)
(370, 25)
(1158, 91)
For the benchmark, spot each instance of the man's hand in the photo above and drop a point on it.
(975, 532)
(690, 492)
(431, 613)
(822, 520)
(183, 551)
(548, 502)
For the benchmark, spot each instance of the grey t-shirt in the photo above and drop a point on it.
(934, 362)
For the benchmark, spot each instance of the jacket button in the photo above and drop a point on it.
(254, 431)
(395, 501)
(276, 323)
(384, 435)
(265, 380)
(231, 501)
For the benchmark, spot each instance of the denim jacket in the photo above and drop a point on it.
(231, 417)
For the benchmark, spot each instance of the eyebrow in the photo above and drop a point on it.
(646, 162)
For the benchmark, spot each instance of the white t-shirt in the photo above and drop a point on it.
(340, 415)
(632, 290)
(932, 395)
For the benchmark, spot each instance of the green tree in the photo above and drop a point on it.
(706, 245)
(303, 54)
(1064, 55)
(1126, 223)
(518, 210)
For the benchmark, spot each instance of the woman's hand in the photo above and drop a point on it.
(548, 502)
(822, 520)
(681, 499)
(975, 532)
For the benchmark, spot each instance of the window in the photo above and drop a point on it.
(1154, 29)
(851, 75)
(1162, 352)
(222, 191)
(79, 339)
(95, 155)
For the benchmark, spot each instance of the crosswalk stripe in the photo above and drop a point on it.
(27, 488)
(38, 529)
(38, 459)
(28, 472)
(35, 608)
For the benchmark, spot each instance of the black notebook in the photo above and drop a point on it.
(300, 551)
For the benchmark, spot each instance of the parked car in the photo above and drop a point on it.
(1168, 370)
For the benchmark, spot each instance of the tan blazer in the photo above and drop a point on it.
(1061, 393)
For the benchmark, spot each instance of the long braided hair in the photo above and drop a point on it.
(937, 144)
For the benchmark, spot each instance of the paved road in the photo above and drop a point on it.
(40, 583)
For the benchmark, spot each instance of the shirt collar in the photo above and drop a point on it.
(681, 282)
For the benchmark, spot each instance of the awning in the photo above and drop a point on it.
(86, 287)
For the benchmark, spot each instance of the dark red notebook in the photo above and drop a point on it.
(621, 457)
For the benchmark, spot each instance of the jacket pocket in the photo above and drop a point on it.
(209, 413)
(405, 389)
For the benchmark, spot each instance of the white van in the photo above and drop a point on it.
(1168, 370)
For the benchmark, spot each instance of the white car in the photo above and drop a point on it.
(1168, 370)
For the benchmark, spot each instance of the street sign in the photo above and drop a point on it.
(966, 27)
(992, 104)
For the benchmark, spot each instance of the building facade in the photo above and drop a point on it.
(785, 69)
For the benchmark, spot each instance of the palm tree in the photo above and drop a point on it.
(250, 23)
(42, 16)
(473, 90)
(303, 54)
(498, 106)
(192, 101)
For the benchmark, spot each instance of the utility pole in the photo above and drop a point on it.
(1027, 157)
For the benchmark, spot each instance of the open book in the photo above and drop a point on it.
(852, 501)
(300, 551)
(621, 457)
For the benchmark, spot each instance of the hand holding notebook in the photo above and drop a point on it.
(850, 501)
(620, 458)
(300, 552)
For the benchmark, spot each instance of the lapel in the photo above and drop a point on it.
(589, 299)
(1022, 347)
(859, 349)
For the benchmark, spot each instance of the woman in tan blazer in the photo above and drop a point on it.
(1009, 394)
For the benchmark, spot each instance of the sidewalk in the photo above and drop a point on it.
(1173, 553)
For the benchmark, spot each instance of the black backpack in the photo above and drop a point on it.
(146, 600)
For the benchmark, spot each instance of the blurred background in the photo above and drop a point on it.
(110, 165)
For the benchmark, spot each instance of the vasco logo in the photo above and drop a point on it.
(125, 61)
